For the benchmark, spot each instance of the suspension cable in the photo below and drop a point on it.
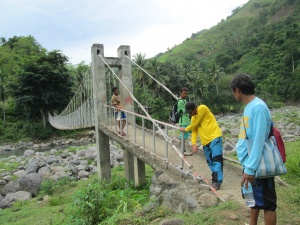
(167, 89)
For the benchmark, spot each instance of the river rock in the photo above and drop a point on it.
(31, 183)
(29, 152)
(10, 198)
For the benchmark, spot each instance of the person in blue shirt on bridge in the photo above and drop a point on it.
(120, 115)
(204, 125)
(184, 120)
(255, 125)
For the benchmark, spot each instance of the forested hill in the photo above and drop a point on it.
(260, 38)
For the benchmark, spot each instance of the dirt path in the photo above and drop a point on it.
(230, 188)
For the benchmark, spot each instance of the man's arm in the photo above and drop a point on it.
(181, 106)
(201, 111)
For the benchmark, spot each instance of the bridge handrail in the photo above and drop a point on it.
(167, 125)
(145, 117)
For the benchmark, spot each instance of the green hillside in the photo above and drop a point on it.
(260, 38)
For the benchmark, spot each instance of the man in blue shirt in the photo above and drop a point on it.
(254, 127)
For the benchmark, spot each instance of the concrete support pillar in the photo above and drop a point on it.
(125, 74)
(129, 166)
(139, 172)
(99, 91)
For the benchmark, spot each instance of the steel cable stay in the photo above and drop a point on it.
(167, 89)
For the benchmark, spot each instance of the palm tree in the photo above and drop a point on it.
(112, 80)
(159, 74)
(215, 75)
(200, 88)
(141, 60)
(3, 95)
(190, 71)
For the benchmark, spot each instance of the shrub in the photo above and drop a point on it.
(49, 186)
(100, 200)
(89, 204)
(36, 130)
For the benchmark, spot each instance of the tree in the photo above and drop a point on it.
(3, 95)
(200, 88)
(80, 74)
(141, 60)
(215, 75)
(24, 49)
(43, 86)
(159, 74)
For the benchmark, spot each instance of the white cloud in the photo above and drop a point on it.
(148, 26)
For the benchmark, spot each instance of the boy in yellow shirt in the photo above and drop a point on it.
(204, 124)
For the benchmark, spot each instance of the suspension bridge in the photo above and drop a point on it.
(156, 144)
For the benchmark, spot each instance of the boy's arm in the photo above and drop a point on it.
(196, 120)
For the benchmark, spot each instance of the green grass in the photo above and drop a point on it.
(292, 163)
(5, 165)
(59, 207)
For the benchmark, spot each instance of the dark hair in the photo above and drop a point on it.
(190, 106)
(244, 83)
(183, 89)
(113, 89)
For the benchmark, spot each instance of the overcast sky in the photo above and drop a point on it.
(73, 26)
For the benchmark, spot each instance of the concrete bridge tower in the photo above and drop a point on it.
(134, 167)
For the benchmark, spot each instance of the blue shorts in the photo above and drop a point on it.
(120, 115)
(265, 194)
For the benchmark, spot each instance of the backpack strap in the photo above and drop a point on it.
(271, 133)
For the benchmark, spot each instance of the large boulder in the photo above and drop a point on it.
(10, 198)
(60, 172)
(29, 152)
(46, 172)
(20, 173)
(180, 196)
(11, 187)
(31, 183)
(52, 159)
(91, 153)
(32, 165)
